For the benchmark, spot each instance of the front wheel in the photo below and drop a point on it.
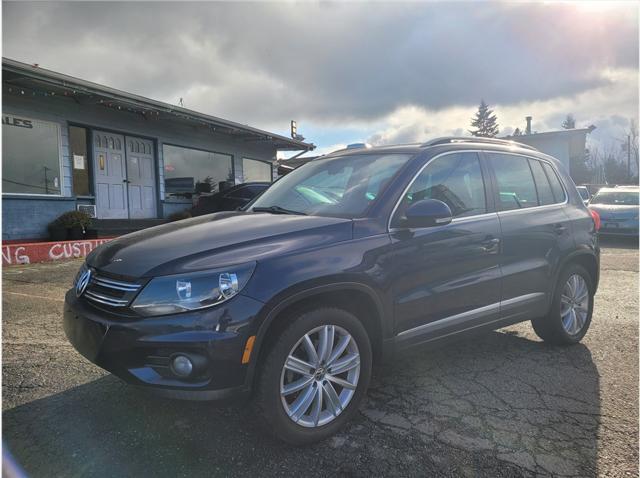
(571, 310)
(314, 376)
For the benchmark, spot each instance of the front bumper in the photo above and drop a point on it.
(138, 350)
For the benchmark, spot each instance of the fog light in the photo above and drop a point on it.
(181, 366)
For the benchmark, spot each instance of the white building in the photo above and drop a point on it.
(562, 144)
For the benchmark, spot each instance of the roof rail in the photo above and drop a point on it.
(475, 139)
(358, 146)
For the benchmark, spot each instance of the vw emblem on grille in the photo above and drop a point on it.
(83, 282)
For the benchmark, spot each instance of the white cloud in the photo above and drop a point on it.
(608, 107)
(391, 72)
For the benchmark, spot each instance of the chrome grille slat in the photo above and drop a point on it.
(112, 284)
(105, 300)
(111, 292)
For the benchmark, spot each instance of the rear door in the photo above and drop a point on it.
(447, 278)
(535, 231)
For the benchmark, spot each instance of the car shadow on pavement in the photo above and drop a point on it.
(523, 401)
(495, 405)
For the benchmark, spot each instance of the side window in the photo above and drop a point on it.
(516, 188)
(556, 186)
(545, 194)
(455, 179)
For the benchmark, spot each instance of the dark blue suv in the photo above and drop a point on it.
(337, 265)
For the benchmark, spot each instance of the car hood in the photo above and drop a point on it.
(618, 211)
(215, 240)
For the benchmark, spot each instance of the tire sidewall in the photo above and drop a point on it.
(557, 299)
(269, 392)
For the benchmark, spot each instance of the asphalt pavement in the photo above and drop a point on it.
(499, 404)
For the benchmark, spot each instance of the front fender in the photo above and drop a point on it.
(302, 292)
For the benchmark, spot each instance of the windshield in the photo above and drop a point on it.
(343, 186)
(623, 198)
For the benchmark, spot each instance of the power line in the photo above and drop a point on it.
(25, 184)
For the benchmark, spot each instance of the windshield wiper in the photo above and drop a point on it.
(277, 210)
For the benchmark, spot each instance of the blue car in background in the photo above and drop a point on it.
(618, 209)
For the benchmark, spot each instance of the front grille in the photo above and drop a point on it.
(111, 292)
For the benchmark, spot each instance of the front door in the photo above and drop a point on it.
(110, 176)
(447, 278)
(140, 178)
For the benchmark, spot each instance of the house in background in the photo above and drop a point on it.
(562, 144)
(68, 142)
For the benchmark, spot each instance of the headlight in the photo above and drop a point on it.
(185, 292)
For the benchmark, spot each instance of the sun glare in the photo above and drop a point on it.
(597, 5)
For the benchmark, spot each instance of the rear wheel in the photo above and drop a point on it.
(571, 310)
(314, 376)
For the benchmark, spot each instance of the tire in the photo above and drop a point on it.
(555, 329)
(277, 411)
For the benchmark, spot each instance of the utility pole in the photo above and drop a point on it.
(629, 157)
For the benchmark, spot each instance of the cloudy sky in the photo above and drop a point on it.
(377, 72)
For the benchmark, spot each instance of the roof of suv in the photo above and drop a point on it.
(483, 143)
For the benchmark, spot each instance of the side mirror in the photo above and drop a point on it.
(427, 213)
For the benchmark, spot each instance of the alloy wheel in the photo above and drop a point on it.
(320, 376)
(574, 304)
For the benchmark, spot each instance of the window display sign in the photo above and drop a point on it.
(78, 161)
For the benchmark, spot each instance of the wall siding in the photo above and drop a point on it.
(64, 111)
(28, 218)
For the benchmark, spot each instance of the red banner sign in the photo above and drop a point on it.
(47, 251)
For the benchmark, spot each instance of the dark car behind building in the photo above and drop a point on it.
(230, 199)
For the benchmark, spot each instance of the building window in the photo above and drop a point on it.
(79, 161)
(254, 170)
(193, 171)
(30, 156)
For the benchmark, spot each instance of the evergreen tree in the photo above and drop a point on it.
(485, 122)
(569, 122)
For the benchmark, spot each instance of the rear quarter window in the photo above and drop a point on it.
(545, 193)
(556, 186)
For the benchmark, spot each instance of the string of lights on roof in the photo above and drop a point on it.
(27, 91)
(146, 113)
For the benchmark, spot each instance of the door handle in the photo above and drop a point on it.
(560, 228)
(126, 181)
(491, 245)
